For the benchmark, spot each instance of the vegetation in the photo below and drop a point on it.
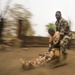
(51, 25)
(14, 14)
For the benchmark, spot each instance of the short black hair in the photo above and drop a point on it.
(51, 31)
(58, 12)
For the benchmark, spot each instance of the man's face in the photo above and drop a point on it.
(58, 15)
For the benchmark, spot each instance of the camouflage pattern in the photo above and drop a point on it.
(39, 61)
(55, 38)
(65, 41)
(62, 26)
(54, 41)
(64, 29)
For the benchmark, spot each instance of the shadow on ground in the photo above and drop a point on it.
(10, 64)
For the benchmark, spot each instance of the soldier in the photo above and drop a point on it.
(65, 34)
(54, 39)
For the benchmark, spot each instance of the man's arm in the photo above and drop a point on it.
(56, 37)
(50, 43)
(64, 26)
(50, 46)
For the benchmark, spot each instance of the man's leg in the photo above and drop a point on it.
(64, 50)
(63, 45)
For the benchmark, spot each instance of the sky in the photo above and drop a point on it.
(43, 12)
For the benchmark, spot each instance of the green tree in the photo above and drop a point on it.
(11, 22)
(51, 25)
(27, 29)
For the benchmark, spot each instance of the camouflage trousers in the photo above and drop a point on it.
(64, 42)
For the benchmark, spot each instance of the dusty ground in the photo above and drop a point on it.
(10, 65)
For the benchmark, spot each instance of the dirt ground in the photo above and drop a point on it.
(10, 64)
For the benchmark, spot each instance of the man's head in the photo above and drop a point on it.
(58, 15)
(51, 31)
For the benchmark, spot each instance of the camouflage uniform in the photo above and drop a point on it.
(63, 27)
(54, 41)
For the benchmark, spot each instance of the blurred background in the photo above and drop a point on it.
(23, 34)
(31, 19)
